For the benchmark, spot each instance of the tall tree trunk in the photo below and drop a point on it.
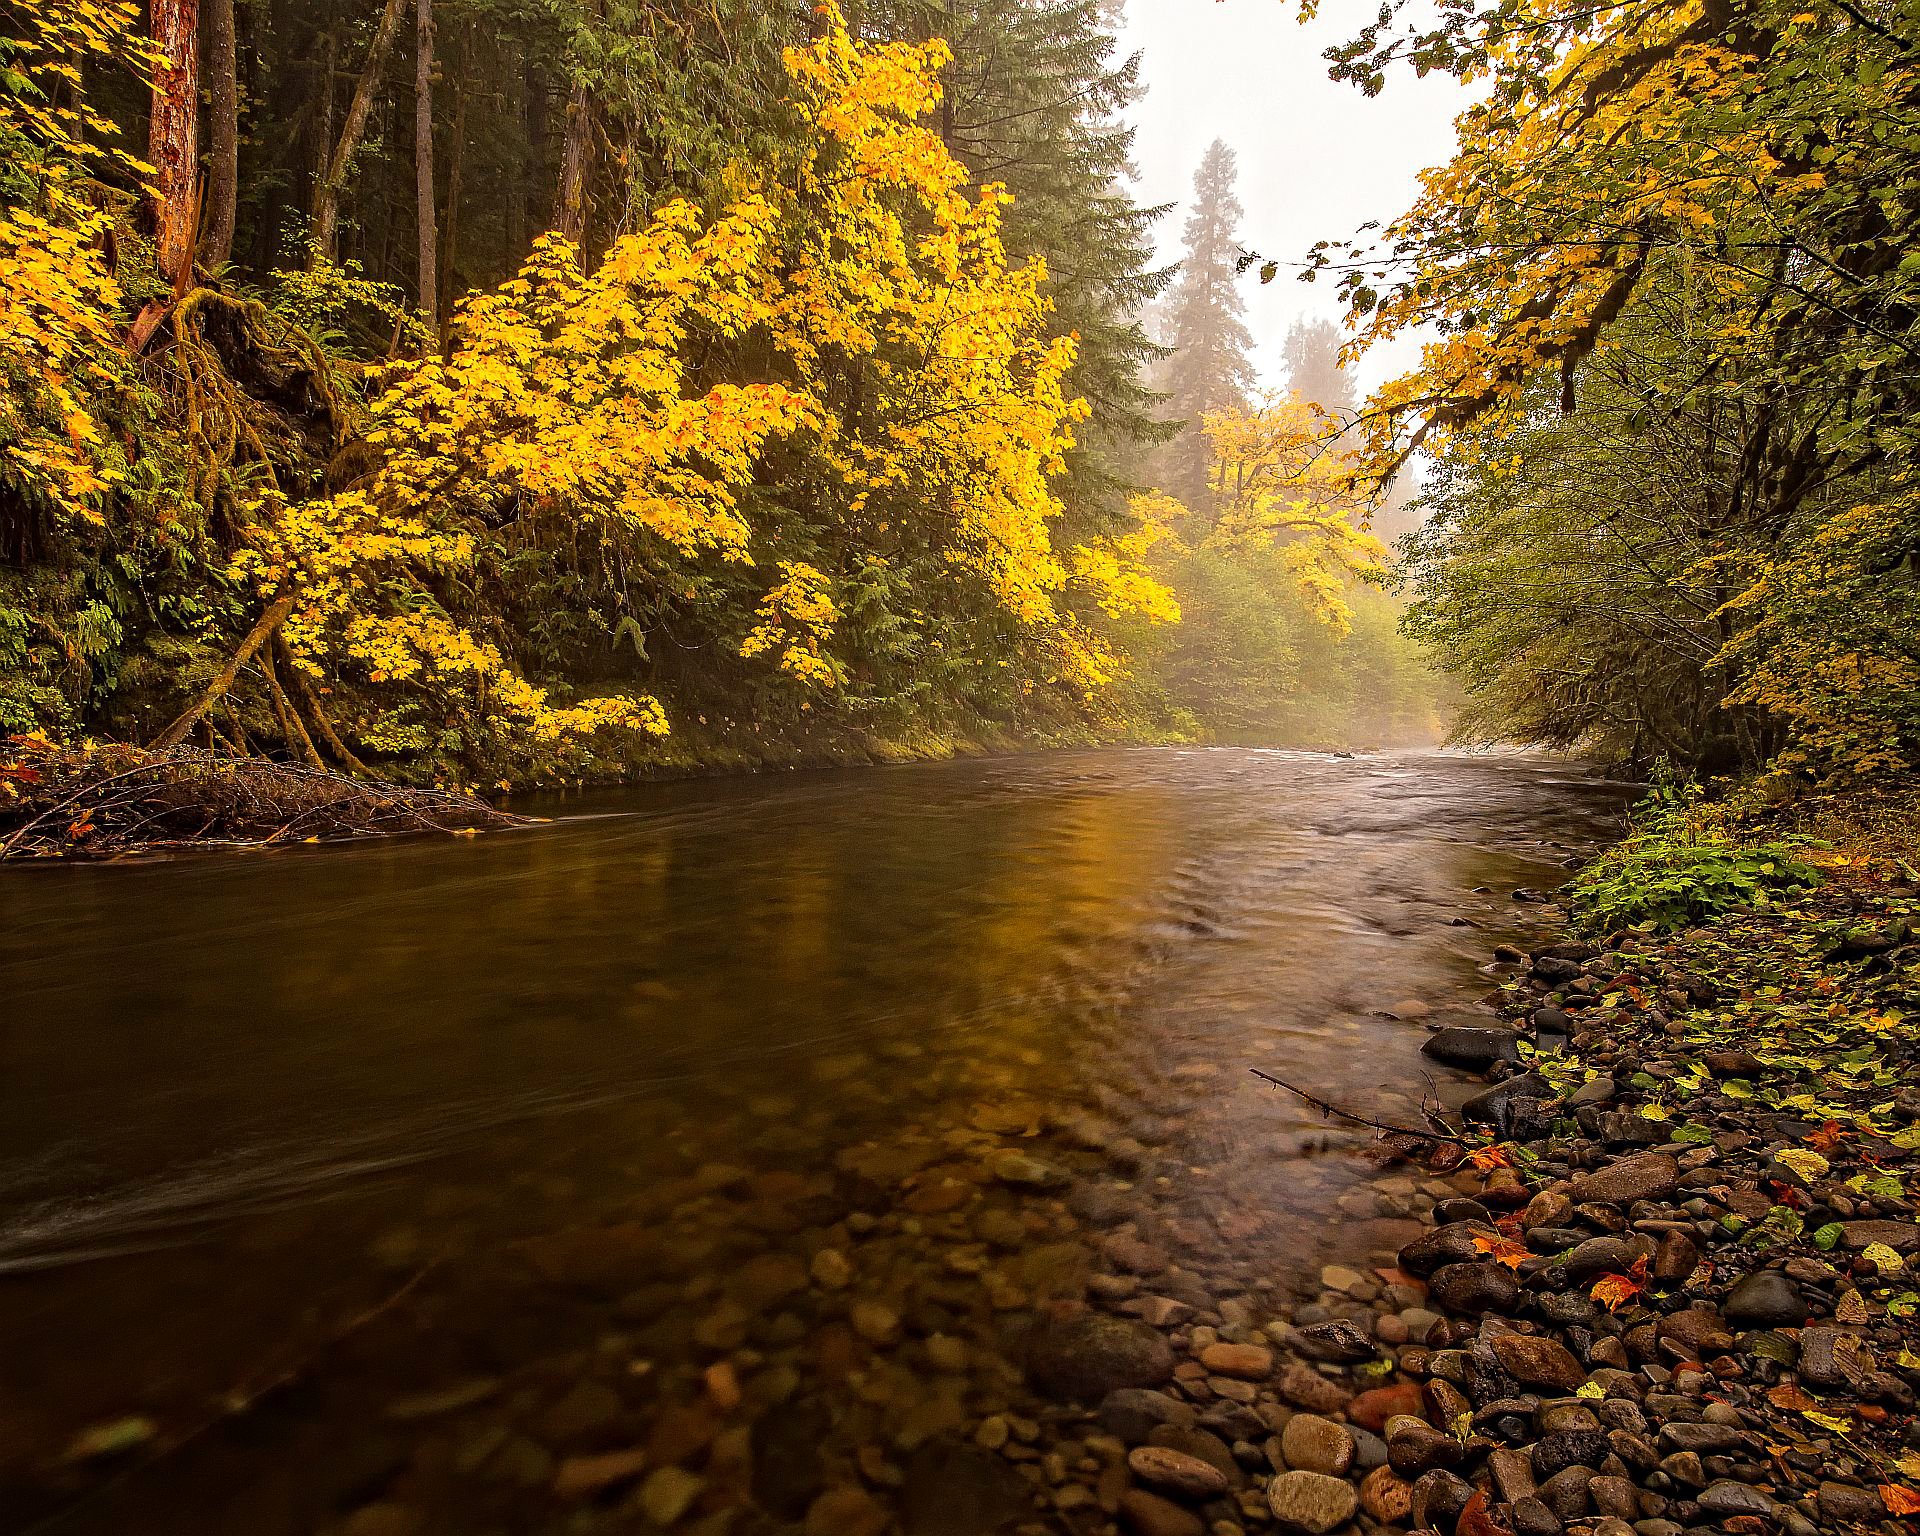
(223, 136)
(535, 170)
(456, 164)
(426, 227)
(576, 159)
(326, 197)
(173, 142)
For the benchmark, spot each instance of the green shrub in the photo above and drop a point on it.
(1664, 881)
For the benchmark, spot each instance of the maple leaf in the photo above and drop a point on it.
(1790, 1399)
(1616, 1290)
(1899, 1501)
(1827, 1138)
(1505, 1250)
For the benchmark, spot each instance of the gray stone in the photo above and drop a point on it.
(1133, 1413)
(1767, 1299)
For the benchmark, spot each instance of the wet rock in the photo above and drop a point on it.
(847, 1512)
(1843, 1504)
(1512, 1474)
(1474, 1049)
(1084, 1356)
(1565, 1493)
(1132, 1414)
(1538, 1361)
(580, 1476)
(1372, 1408)
(1313, 1444)
(1724, 1500)
(1249, 1362)
(955, 1489)
(1497, 1106)
(1337, 1341)
(1902, 1237)
(1304, 1387)
(1454, 1243)
(1725, 1064)
(787, 1474)
(1147, 1514)
(1646, 1176)
(1414, 1447)
(1024, 1172)
(1554, 1453)
(1702, 1439)
(1176, 1473)
(1312, 1501)
(1199, 1443)
(1386, 1496)
(1534, 1517)
(668, 1493)
(1472, 1289)
(1766, 1299)
(1438, 1498)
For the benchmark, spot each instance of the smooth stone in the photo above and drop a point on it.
(1131, 1414)
(1312, 1501)
(1538, 1361)
(1147, 1514)
(1313, 1444)
(1766, 1299)
(1085, 1356)
(1177, 1473)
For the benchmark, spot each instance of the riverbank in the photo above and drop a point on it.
(1672, 1287)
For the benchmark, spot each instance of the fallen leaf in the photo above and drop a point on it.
(1899, 1501)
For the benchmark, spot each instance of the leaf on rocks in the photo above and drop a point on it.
(1899, 1501)
(1833, 1421)
(1503, 1249)
(1809, 1165)
(1590, 1389)
(1790, 1399)
(1488, 1158)
(1614, 1291)
(1883, 1258)
(1825, 1238)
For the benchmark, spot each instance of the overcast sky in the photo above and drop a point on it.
(1317, 158)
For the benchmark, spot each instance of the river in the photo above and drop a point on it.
(385, 1178)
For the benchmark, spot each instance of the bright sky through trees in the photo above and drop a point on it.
(1316, 158)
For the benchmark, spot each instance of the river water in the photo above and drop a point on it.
(388, 1177)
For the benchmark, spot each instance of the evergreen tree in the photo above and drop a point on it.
(1313, 366)
(1209, 369)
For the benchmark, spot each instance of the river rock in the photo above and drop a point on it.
(1455, 1243)
(1337, 1341)
(1766, 1299)
(1901, 1236)
(1725, 1499)
(1415, 1447)
(1175, 1472)
(1539, 1362)
(1554, 1453)
(847, 1512)
(1473, 1289)
(1645, 1176)
(1147, 1514)
(1304, 1387)
(1386, 1496)
(1372, 1408)
(1313, 1444)
(1084, 1356)
(1475, 1049)
(1132, 1414)
(955, 1489)
(1249, 1362)
(1312, 1501)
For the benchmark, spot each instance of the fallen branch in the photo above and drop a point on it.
(1439, 1133)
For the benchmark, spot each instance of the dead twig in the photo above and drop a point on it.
(1327, 1108)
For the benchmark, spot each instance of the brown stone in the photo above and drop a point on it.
(1538, 1361)
(581, 1475)
(1648, 1176)
(1175, 1472)
(1147, 1514)
(1372, 1408)
(1248, 1361)
(1386, 1496)
(1305, 1387)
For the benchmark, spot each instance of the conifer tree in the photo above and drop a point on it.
(1209, 369)
(1313, 366)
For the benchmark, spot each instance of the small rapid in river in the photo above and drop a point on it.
(737, 1127)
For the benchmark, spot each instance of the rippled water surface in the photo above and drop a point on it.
(403, 1146)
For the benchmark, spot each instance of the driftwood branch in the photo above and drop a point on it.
(1438, 1133)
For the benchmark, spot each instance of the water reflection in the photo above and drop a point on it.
(366, 1122)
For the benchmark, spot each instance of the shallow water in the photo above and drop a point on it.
(328, 1130)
